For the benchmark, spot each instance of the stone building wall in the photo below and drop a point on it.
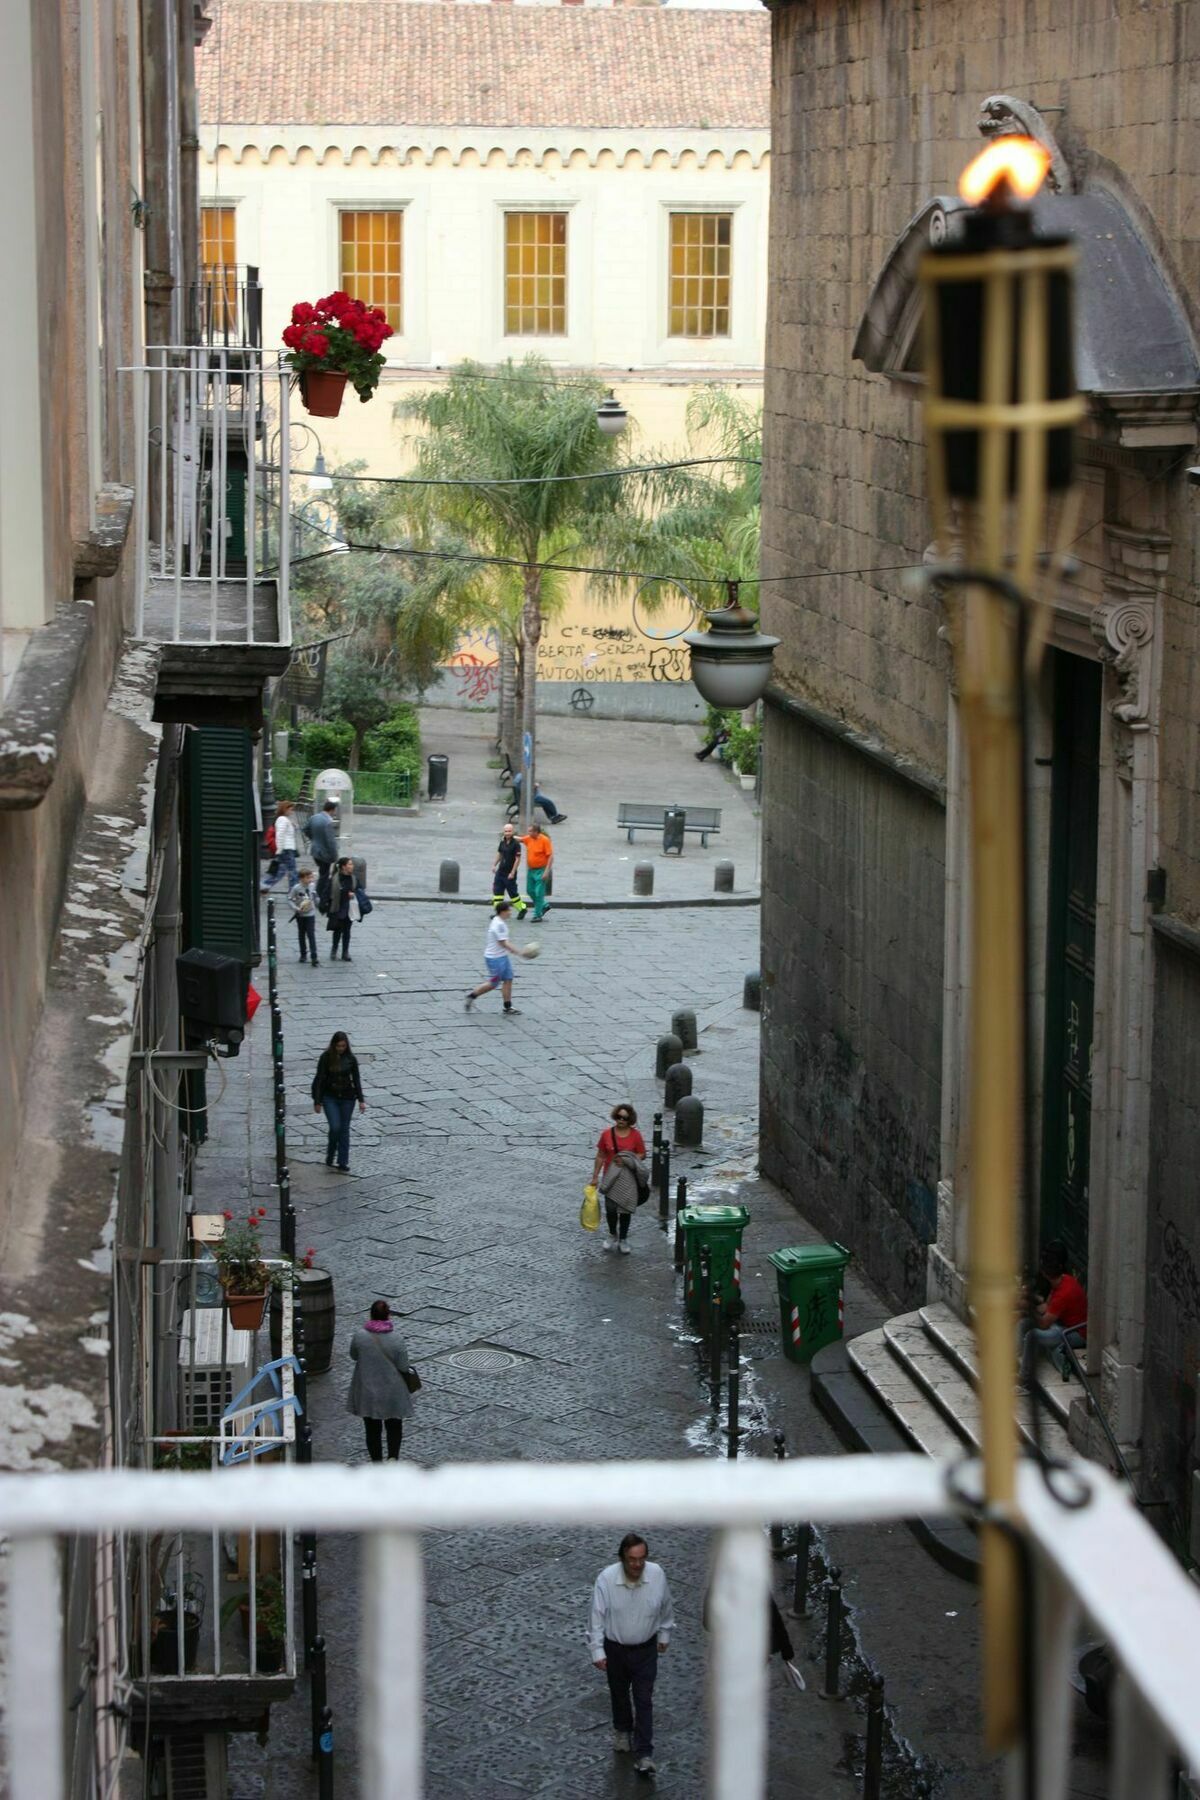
(875, 113)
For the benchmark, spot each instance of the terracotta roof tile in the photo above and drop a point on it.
(407, 62)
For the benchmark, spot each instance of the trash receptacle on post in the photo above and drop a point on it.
(718, 1229)
(674, 820)
(810, 1297)
(438, 780)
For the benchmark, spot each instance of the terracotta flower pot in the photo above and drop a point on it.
(321, 391)
(246, 1310)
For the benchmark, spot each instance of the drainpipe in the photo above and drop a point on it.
(189, 174)
(158, 31)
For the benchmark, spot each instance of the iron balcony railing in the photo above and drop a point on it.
(228, 306)
(1089, 1554)
(214, 480)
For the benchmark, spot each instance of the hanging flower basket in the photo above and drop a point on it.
(321, 391)
(334, 342)
(246, 1310)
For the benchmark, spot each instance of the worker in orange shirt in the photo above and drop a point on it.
(539, 856)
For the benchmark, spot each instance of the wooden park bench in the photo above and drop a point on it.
(637, 815)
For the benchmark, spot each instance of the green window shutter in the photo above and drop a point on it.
(220, 843)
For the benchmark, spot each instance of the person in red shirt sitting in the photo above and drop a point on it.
(1060, 1319)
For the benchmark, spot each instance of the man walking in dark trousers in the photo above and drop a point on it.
(631, 1624)
(323, 836)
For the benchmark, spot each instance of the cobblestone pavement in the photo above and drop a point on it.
(587, 766)
(462, 1211)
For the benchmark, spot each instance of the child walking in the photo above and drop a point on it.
(303, 901)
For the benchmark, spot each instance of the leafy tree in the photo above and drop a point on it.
(519, 424)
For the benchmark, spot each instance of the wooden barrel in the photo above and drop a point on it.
(313, 1295)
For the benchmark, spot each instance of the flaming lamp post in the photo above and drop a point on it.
(1000, 409)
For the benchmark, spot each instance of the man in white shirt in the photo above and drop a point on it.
(498, 960)
(631, 1624)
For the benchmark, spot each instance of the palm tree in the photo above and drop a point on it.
(518, 424)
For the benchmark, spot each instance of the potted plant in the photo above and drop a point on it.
(164, 1628)
(242, 1272)
(743, 753)
(270, 1621)
(334, 342)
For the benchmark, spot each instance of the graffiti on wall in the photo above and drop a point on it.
(575, 653)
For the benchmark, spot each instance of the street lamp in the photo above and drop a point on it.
(320, 480)
(611, 416)
(731, 657)
(1000, 409)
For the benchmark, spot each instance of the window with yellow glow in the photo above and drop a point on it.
(218, 267)
(371, 263)
(699, 296)
(535, 274)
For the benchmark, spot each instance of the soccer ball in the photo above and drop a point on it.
(533, 949)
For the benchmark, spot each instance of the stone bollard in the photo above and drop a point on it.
(689, 1122)
(752, 992)
(448, 878)
(668, 1051)
(643, 878)
(683, 1024)
(723, 878)
(679, 1084)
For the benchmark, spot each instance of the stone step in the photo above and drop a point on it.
(900, 1395)
(953, 1342)
(941, 1382)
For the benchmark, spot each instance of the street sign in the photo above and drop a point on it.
(527, 749)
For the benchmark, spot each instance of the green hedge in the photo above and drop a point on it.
(322, 744)
(394, 748)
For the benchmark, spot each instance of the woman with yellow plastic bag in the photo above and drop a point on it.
(620, 1173)
(589, 1212)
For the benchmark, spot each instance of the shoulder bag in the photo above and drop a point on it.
(412, 1380)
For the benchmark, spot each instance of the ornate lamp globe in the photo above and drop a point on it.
(731, 658)
(611, 416)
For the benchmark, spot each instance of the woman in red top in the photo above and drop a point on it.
(620, 1171)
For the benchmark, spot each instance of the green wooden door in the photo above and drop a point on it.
(1071, 955)
(220, 844)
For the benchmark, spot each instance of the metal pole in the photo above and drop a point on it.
(800, 1580)
(325, 1756)
(308, 1596)
(680, 1203)
(316, 1692)
(664, 1180)
(285, 1207)
(734, 1385)
(656, 1144)
(777, 1530)
(833, 1636)
(873, 1764)
(714, 1343)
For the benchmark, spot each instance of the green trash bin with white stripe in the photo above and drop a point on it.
(811, 1304)
(717, 1230)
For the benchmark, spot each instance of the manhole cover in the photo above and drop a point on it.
(483, 1361)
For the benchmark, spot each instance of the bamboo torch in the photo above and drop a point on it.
(1000, 407)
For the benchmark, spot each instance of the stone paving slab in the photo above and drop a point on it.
(588, 766)
(514, 1706)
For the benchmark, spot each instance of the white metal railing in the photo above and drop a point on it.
(1098, 1560)
(213, 441)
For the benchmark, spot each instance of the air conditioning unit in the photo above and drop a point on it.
(208, 1383)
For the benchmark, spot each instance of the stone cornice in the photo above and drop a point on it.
(397, 145)
(901, 767)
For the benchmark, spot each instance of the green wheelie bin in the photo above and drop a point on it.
(717, 1229)
(810, 1296)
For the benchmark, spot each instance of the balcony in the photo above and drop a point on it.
(212, 562)
(1094, 1557)
(228, 306)
(209, 1611)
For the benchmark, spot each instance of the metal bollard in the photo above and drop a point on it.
(643, 880)
(680, 1203)
(777, 1530)
(735, 1376)
(833, 1636)
(308, 1597)
(714, 1343)
(667, 1051)
(316, 1692)
(800, 1580)
(656, 1144)
(873, 1762)
(289, 1232)
(325, 1756)
(664, 1180)
(448, 877)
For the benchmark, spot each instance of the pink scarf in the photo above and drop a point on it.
(379, 1324)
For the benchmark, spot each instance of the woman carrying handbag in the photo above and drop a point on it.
(620, 1173)
(383, 1382)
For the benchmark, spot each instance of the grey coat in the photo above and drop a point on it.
(378, 1390)
(323, 836)
(619, 1183)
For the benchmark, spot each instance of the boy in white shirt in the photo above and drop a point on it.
(498, 952)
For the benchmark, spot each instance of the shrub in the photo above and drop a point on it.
(743, 748)
(324, 744)
(394, 748)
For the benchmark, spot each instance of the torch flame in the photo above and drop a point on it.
(1017, 164)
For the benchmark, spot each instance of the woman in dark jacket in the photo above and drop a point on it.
(336, 1086)
(339, 921)
(379, 1394)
